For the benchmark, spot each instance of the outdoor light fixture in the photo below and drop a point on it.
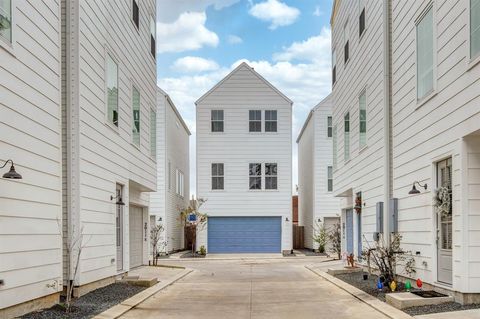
(414, 190)
(11, 174)
(119, 200)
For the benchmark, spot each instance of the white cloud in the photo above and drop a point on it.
(186, 33)
(193, 64)
(169, 10)
(316, 48)
(277, 13)
(234, 39)
(317, 11)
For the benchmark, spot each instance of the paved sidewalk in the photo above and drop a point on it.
(466, 314)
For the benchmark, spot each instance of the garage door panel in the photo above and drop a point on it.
(136, 236)
(244, 234)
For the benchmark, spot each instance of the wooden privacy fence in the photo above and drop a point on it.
(298, 237)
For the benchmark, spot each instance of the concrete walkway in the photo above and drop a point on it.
(252, 288)
(466, 314)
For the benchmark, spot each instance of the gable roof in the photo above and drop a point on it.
(175, 109)
(310, 114)
(243, 65)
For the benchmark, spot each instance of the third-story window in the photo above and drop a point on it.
(474, 28)
(361, 18)
(271, 181)
(136, 116)
(255, 176)
(217, 176)
(346, 137)
(425, 54)
(362, 101)
(270, 121)
(217, 120)
(330, 179)
(112, 91)
(153, 36)
(334, 67)
(6, 20)
(135, 13)
(153, 133)
(329, 126)
(334, 146)
(255, 121)
(346, 48)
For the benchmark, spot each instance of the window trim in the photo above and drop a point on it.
(211, 121)
(169, 169)
(346, 43)
(131, 14)
(360, 146)
(330, 117)
(420, 101)
(10, 47)
(250, 121)
(364, 12)
(334, 147)
(265, 121)
(217, 176)
(334, 67)
(116, 128)
(256, 176)
(179, 183)
(270, 176)
(471, 61)
(153, 37)
(329, 170)
(134, 87)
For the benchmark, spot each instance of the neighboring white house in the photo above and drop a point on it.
(361, 131)
(173, 172)
(109, 113)
(30, 135)
(244, 165)
(316, 204)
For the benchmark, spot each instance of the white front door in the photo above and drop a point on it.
(444, 225)
(119, 229)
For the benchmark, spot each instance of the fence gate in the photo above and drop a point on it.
(298, 237)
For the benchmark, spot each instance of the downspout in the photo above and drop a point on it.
(387, 69)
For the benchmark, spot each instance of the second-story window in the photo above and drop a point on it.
(217, 176)
(255, 121)
(362, 102)
(217, 120)
(153, 37)
(255, 176)
(6, 20)
(270, 121)
(329, 179)
(329, 126)
(135, 13)
(346, 48)
(112, 91)
(136, 116)
(346, 137)
(474, 28)
(334, 67)
(361, 18)
(180, 183)
(271, 181)
(425, 54)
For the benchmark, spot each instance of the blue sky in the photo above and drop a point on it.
(287, 41)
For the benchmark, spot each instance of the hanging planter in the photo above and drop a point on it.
(443, 201)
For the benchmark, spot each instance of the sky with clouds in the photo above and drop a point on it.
(201, 41)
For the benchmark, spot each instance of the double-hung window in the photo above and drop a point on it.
(362, 101)
(361, 18)
(329, 126)
(180, 183)
(334, 67)
(271, 179)
(217, 120)
(136, 116)
(346, 137)
(217, 176)
(153, 133)
(474, 28)
(270, 121)
(153, 37)
(135, 13)
(329, 179)
(346, 48)
(112, 91)
(334, 146)
(255, 121)
(6, 21)
(255, 173)
(425, 54)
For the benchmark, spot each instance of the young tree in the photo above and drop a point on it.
(156, 232)
(320, 236)
(335, 237)
(192, 216)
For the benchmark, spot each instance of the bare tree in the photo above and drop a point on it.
(335, 237)
(156, 232)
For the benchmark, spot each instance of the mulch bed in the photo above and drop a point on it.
(191, 255)
(91, 304)
(370, 287)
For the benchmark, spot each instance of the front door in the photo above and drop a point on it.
(349, 230)
(119, 229)
(444, 224)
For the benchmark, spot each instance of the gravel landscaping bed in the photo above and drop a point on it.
(90, 304)
(308, 252)
(369, 286)
(191, 255)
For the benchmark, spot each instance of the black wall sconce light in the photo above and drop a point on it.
(414, 190)
(119, 200)
(11, 174)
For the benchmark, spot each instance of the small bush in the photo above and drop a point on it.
(203, 251)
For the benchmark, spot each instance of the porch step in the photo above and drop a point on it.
(402, 300)
(345, 270)
(137, 281)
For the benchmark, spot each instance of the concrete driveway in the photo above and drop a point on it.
(252, 288)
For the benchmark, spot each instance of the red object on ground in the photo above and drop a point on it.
(419, 283)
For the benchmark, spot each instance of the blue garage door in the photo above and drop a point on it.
(244, 234)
